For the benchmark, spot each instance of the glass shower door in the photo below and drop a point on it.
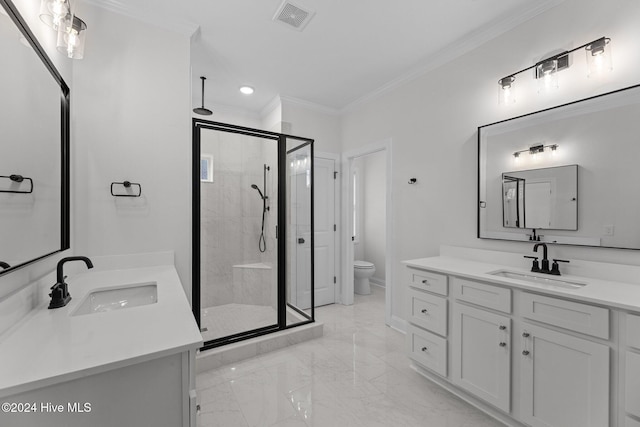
(237, 231)
(299, 239)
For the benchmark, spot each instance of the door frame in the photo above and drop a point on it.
(347, 288)
(337, 218)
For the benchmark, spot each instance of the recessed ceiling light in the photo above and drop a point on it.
(247, 90)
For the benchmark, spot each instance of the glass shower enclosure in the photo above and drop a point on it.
(252, 231)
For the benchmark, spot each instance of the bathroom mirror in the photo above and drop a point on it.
(545, 198)
(34, 124)
(592, 141)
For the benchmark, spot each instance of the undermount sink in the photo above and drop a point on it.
(118, 298)
(538, 279)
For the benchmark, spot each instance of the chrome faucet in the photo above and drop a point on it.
(60, 291)
(544, 267)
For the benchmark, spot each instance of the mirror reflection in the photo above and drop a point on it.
(541, 198)
(529, 168)
(31, 164)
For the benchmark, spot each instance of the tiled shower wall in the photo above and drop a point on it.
(231, 213)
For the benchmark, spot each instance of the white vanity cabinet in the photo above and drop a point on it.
(564, 379)
(527, 358)
(481, 353)
(631, 377)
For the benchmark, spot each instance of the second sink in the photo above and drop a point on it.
(541, 280)
(118, 298)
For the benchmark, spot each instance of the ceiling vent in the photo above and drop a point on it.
(293, 16)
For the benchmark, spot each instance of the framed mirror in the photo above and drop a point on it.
(529, 168)
(34, 164)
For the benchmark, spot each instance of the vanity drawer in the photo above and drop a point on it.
(482, 294)
(633, 331)
(427, 349)
(427, 281)
(428, 311)
(575, 316)
(632, 384)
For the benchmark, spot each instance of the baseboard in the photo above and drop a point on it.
(377, 281)
(398, 324)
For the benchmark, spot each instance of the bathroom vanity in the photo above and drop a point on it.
(122, 352)
(529, 349)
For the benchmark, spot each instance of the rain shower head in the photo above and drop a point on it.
(201, 110)
(255, 187)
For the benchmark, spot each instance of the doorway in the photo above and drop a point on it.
(350, 221)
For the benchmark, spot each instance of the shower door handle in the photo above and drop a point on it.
(300, 240)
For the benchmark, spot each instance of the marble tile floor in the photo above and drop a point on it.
(356, 375)
(228, 319)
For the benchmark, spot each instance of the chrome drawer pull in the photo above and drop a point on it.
(525, 352)
(425, 349)
(502, 327)
(425, 281)
(424, 311)
(503, 344)
(526, 334)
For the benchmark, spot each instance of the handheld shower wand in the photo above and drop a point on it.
(262, 243)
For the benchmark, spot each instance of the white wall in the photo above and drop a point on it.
(131, 112)
(433, 122)
(374, 181)
(311, 122)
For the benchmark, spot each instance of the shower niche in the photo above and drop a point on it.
(252, 231)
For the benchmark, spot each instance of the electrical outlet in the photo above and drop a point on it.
(608, 230)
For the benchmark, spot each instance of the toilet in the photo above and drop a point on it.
(362, 271)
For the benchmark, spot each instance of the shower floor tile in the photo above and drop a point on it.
(357, 374)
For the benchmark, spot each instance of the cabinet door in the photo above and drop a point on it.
(565, 380)
(481, 354)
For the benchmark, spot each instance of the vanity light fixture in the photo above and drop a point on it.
(598, 57)
(546, 71)
(71, 30)
(246, 90)
(534, 150)
(71, 37)
(53, 12)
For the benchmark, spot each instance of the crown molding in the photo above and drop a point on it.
(271, 105)
(447, 54)
(182, 27)
(310, 105)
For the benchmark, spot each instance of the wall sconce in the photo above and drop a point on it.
(53, 12)
(598, 57)
(535, 150)
(71, 37)
(71, 30)
(546, 71)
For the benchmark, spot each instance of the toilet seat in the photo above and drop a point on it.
(363, 264)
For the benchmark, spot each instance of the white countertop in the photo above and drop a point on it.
(603, 292)
(51, 346)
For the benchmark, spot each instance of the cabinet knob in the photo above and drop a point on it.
(525, 352)
(526, 334)
(424, 311)
(425, 349)
(425, 281)
(503, 344)
(502, 327)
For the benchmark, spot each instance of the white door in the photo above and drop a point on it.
(565, 380)
(537, 204)
(482, 354)
(324, 232)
